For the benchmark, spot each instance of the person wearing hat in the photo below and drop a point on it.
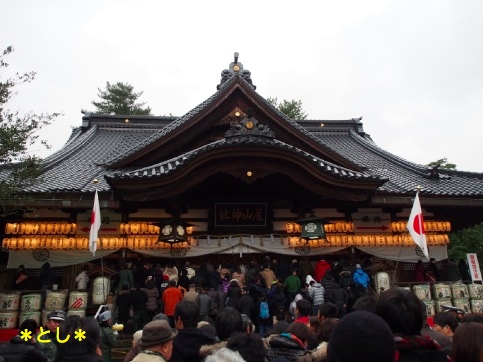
(156, 342)
(54, 320)
(108, 338)
(361, 336)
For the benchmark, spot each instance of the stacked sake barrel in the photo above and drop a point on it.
(442, 296)
(461, 297)
(77, 303)
(55, 300)
(475, 292)
(9, 305)
(423, 292)
(30, 307)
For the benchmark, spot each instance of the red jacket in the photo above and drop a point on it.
(320, 269)
(171, 297)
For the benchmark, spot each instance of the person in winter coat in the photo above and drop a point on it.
(290, 345)
(153, 296)
(233, 294)
(269, 276)
(320, 269)
(316, 294)
(46, 276)
(276, 300)
(361, 280)
(73, 350)
(406, 324)
(452, 271)
(187, 344)
(292, 285)
(305, 268)
(246, 304)
(19, 350)
(215, 302)
(126, 277)
(204, 303)
(464, 270)
(123, 302)
(335, 294)
(82, 278)
(138, 301)
(20, 280)
(420, 272)
(293, 305)
(108, 338)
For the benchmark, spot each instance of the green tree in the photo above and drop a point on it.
(466, 241)
(18, 169)
(120, 98)
(292, 109)
(443, 164)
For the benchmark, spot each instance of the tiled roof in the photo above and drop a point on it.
(164, 168)
(93, 150)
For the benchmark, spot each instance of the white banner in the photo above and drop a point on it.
(474, 267)
(405, 253)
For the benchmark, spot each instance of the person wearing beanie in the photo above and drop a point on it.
(361, 336)
(135, 346)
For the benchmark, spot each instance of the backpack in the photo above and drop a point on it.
(264, 310)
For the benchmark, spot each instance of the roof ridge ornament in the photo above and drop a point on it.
(249, 126)
(235, 69)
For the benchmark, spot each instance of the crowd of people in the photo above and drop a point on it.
(275, 311)
(390, 327)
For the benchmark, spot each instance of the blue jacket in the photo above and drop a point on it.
(361, 278)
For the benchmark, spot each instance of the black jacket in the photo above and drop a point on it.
(284, 346)
(17, 350)
(187, 344)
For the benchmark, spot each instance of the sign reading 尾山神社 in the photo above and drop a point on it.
(240, 214)
(474, 267)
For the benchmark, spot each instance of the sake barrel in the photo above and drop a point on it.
(423, 292)
(477, 305)
(100, 289)
(463, 304)
(441, 291)
(79, 312)
(382, 282)
(8, 320)
(9, 301)
(24, 315)
(31, 302)
(77, 300)
(429, 307)
(475, 291)
(460, 291)
(439, 303)
(55, 300)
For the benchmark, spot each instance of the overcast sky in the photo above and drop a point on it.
(412, 69)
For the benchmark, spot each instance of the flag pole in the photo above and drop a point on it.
(97, 216)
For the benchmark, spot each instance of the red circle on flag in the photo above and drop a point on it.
(418, 224)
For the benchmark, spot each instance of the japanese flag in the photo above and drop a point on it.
(95, 225)
(416, 226)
